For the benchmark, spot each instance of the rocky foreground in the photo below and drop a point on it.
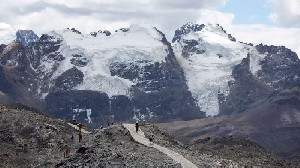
(31, 139)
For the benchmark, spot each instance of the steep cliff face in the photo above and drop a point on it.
(280, 69)
(244, 90)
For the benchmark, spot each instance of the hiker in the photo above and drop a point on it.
(67, 152)
(79, 125)
(79, 136)
(72, 139)
(137, 126)
(25, 148)
(151, 138)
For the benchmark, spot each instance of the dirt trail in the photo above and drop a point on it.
(140, 137)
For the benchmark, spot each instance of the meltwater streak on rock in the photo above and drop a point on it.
(140, 137)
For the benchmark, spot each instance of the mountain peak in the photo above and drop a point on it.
(191, 27)
(26, 36)
(185, 29)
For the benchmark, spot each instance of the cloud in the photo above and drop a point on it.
(190, 4)
(92, 15)
(215, 17)
(257, 33)
(286, 12)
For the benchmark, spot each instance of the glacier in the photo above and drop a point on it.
(139, 43)
(209, 65)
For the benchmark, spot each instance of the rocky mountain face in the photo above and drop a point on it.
(100, 77)
(280, 70)
(26, 37)
(205, 71)
(226, 76)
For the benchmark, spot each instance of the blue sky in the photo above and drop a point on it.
(248, 11)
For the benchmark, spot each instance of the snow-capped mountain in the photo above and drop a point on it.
(135, 73)
(208, 56)
(94, 56)
(132, 70)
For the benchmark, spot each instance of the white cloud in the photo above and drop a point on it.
(215, 17)
(4, 26)
(256, 34)
(286, 12)
(92, 15)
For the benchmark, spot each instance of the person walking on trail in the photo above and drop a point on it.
(79, 134)
(67, 152)
(151, 138)
(72, 139)
(137, 126)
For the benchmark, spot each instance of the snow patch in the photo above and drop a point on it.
(88, 112)
(2, 94)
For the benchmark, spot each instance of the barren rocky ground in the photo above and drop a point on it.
(31, 139)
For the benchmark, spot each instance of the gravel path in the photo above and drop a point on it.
(140, 137)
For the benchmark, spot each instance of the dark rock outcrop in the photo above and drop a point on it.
(79, 60)
(280, 69)
(244, 90)
(106, 32)
(190, 47)
(89, 107)
(75, 31)
(123, 30)
(68, 80)
(94, 34)
(185, 29)
(26, 37)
